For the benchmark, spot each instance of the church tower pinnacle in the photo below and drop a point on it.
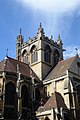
(19, 42)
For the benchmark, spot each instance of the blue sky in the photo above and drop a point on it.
(57, 17)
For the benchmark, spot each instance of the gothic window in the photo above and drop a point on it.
(25, 96)
(25, 56)
(10, 92)
(47, 54)
(10, 111)
(78, 65)
(25, 102)
(37, 94)
(34, 54)
(78, 94)
(56, 57)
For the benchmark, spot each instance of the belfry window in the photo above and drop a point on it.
(25, 56)
(47, 54)
(34, 54)
(56, 57)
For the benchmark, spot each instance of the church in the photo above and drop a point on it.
(39, 84)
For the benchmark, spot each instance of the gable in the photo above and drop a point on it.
(75, 66)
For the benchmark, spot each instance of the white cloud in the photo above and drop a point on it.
(54, 12)
(58, 6)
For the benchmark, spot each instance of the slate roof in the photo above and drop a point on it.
(60, 68)
(10, 65)
(55, 101)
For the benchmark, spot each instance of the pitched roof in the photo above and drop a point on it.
(60, 68)
(55, 101)
(10, 65)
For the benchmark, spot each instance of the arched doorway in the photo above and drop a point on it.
(10, 108)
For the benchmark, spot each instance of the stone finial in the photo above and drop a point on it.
(58, 36)
(76, 51)
(40, 25)
(20, 30)
(59, 41)
(40, 33)
(51, 37)
(6, 52)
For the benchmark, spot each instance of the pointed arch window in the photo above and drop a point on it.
(47, 54)
(25, 102)
(78, 93)
(34, 54)
(10, 111)
(25, 56)
(10, 92)
(56, 57)
(25, 96)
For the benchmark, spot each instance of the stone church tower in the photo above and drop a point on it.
(40, 52)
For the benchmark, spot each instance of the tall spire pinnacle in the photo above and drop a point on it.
(51, 36)
(59, 41)
(6, 52)
(40, 25)
(58, 36)
(76, 51)
(20, 30)
(40, 33)
(40, 29)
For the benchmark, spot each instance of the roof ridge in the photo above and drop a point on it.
(67, 59)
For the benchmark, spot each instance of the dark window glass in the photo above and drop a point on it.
(56, 57)
(78, 94)
(10, 92)
(47, 54)
(25, 96)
